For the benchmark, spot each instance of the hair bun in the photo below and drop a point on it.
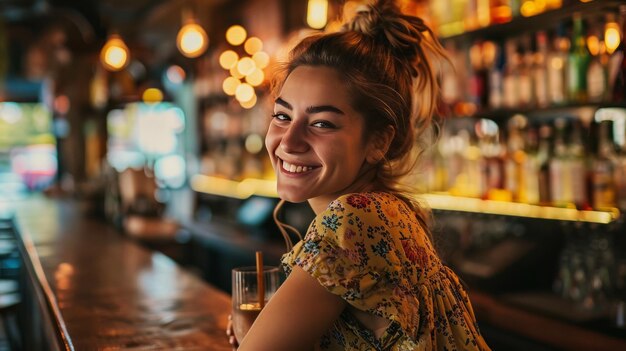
(383, 21)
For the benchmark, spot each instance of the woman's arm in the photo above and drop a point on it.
(295, 317)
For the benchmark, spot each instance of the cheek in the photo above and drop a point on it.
(271, 141)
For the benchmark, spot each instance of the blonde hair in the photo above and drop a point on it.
(387, 60)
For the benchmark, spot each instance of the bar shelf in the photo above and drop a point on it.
(440, 201)
(540, 21)
(584, 111)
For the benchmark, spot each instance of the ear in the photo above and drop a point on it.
(379, 145)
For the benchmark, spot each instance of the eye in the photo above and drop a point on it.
(280, 117)
(323, 124)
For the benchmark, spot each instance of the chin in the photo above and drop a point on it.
(290, 196)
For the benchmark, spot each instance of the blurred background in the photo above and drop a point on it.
(151, 115)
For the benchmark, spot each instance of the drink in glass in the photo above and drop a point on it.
(246, 303)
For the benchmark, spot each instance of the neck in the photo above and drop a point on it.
(364, 182)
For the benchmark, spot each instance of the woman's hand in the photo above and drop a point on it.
(231, 333)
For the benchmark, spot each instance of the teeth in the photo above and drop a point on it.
(295, 169)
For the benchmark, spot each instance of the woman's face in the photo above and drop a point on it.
(315, 138)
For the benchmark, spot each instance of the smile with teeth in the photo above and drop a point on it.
(295, 169)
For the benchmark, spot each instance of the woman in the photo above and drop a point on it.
(349, 109)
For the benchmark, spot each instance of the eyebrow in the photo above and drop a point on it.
(311, 109)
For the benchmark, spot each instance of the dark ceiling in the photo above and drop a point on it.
(141, 22)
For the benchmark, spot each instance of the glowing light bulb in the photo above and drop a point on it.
(228, 59)
(317, 13)
(255, 78)
(244, 92)
(246, 66)
(250, 103)
(261, 59)
(230, 85)
(236, 35)
(192, 40)
(152, 95)
(115, 54)
(611, 37)
(253, 45)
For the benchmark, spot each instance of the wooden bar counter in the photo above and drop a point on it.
(98, 290)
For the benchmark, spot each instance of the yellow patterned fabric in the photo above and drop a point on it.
(370, 249)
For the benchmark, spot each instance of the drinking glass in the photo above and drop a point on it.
(246, 304)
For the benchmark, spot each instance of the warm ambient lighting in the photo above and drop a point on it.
(611, 36)
(317, 13)
(253, 45)
(115, 54)
(244, 92)
(593, 45)
(455, 203)
(228, 59)
(231, 188)
(236, 35)
(152, 95)
(192, 40)
(261, 187)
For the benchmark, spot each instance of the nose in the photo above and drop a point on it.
(294, 139)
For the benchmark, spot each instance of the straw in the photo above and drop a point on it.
(260, 278)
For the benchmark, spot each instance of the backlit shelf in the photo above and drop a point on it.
(232, 188)
(261, 187)
(464, 204)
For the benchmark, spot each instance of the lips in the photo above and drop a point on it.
(292, 168)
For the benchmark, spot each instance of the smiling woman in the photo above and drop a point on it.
(316, 139)
(350, 108)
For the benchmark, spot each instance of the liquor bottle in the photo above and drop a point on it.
(529, 180)
(596, 72)
(501, 11)
(578, 166)
(554, 4)
(602, 185)
(557, 59)
(525, 80)
(540, 70)
(471, 15)
(619, 177)
(450, 76)
(478, 77)
(544, 153)
(511, 77)
(560, 174)
(577, 63)
(496, 76)
(619, 82)
(515, 157)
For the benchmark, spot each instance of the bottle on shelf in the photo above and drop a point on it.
(578, 166)
(602, 185)
(577, 63)
(560, 174)
(557, 59)
(529, 180)
(496, 76)
(619, 176)
(501, 11)
(515, 157)
(478, 78)
(596, 72)
(618, 76)
(544, 153)
(525, 78)
(540, 70)
(511, 85)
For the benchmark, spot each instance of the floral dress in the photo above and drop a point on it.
(370, 249)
